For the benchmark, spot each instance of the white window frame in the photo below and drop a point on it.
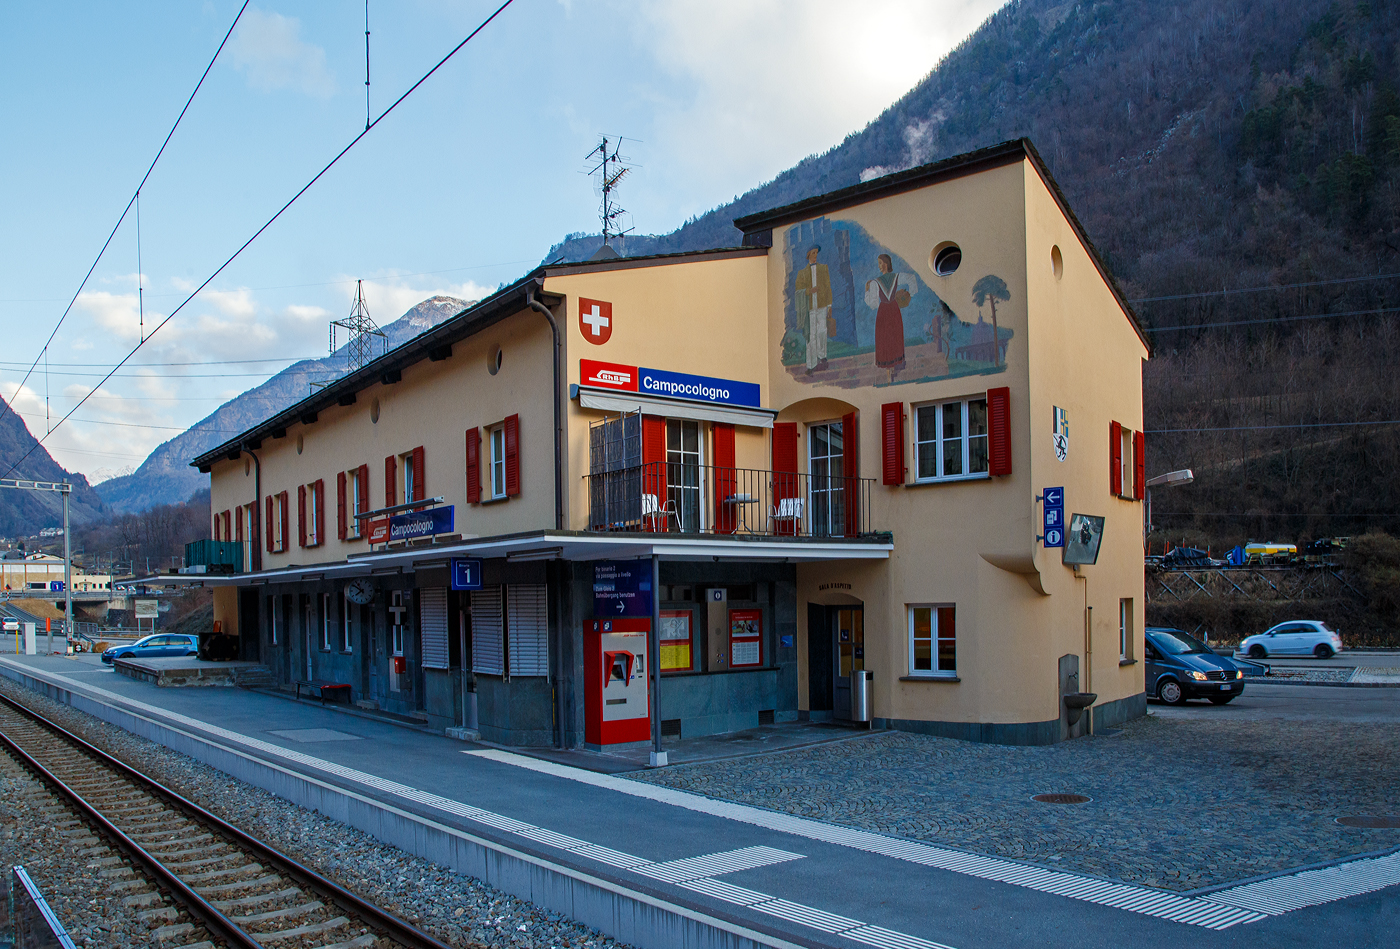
(701, 434)
(346, 643)
(352, 504)
(272, 609)
(405, 486)
(396, 630)
(1125, 462)
(934, 639)
(280, 514)
(325, 622)
(938, 442)
(497, 462)
(1125, 629)
(313, 502)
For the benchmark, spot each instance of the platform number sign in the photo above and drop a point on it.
(1053, 510)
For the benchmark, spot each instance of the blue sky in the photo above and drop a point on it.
(466, 185)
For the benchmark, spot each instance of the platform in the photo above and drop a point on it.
(181, 671)
(649, 865)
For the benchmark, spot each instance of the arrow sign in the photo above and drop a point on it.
(622, 588)
(1054, 497)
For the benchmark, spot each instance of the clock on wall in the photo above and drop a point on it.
(360, 590)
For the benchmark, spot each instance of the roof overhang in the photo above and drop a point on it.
(562, 545)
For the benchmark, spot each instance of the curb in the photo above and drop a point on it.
(1326, 685)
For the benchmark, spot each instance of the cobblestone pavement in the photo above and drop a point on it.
(1176, 804)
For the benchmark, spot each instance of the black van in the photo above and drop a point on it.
(1181, 667)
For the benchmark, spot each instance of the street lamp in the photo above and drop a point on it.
(1172, 479)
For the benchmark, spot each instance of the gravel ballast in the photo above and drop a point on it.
(459, 910)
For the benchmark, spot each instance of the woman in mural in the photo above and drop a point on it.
(888, 294)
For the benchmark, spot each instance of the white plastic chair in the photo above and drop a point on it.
(787, 514)
(654, 510)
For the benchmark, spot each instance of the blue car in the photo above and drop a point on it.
(152, 647)
(1181, 667)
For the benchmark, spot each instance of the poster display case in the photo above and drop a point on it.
(745, 639)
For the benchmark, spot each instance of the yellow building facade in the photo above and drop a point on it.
(851, 444)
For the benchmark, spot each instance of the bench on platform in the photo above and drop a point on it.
(335, 691)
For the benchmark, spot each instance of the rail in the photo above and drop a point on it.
(685, 498)
(96, 768)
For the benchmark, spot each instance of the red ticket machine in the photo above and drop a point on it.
(617, 706)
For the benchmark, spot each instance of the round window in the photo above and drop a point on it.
(493, 360)
(301, 443)
(1057, 261)
(374, 410)
(945, 259)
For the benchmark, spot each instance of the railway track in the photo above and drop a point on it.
(193, 879)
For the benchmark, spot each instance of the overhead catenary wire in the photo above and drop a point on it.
(1253, 428)
(126, 210)
(1265, 289)
(1275, 319)
(270, 221)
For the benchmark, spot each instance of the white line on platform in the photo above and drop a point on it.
(1313, 887)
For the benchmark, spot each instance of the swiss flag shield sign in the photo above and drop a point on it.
(595, 320)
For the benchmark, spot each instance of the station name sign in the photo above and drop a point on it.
(438, 520)
(675, 385)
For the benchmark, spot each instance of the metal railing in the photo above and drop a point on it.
(705, 499)
(26, 919)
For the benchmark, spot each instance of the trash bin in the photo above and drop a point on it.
(862, 681)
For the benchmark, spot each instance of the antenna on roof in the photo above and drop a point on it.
(359, 348)
(611, 168)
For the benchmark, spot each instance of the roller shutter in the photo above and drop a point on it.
(488, 656)
(528, 613)
(432, 606)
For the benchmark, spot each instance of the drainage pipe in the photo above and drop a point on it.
(539, 307)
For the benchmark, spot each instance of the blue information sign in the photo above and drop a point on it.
(622, 588)
(680, 385)
(466, 574)
(1054, 516)
(436, 520)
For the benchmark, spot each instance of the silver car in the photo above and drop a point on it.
(1294, 638)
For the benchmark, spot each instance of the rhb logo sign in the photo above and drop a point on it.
(595, 320)
(608, 375)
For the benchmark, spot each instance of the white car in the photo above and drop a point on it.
(1295, 638)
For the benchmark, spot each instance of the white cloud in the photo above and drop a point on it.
(268, 49)
(391, 297)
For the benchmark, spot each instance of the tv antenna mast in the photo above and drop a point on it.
(362, 329)
(611, 168)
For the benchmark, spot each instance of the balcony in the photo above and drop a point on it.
(704, 499)
(213, 556)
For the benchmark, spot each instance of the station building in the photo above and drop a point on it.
(849, 441)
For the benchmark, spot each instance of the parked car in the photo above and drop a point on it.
(152, 647)
(1295, 638)
(1181, 667)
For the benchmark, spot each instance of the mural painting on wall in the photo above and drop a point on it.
(857, 314)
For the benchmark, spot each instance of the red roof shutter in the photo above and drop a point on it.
(512, 439)
(342, 523)
(654, 469)
(319, 488)
(850, 470)
(1115, 458)
(473, 465)
(892, 442)
(420, 484)
(1139, 465)
(726, 480)
(269, 523)
(999, 431)
(301, 515)
(391, 486)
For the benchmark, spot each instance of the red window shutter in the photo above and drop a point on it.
(420, 484)
(785, 461)
(1139, 465)
(999, 431)
(850, 470)
(319, 488)
(286, 522)
(391, 487)
(1115, 458)
(342, 523)
(228, 529)
(512, 438)
(473, 465)
(363, 476)
(269, 523)
(892, 442)
(654, 466)
(238, 526)
(726, 479)
(216, 527)
(301, 515)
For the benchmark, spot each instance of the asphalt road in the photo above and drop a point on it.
(1297, 703)
(1361, 660)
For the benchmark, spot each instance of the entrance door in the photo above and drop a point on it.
(848, 631)
(683, 482)
(828, 487)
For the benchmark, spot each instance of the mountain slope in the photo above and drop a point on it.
(165, 477)
(23, 513)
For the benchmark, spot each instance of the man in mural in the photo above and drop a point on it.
(813, 298)
(888, 294)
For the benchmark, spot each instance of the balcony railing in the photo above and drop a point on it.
(704, 499)
(215, 556)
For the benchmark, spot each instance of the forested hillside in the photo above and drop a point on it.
(1207, 147)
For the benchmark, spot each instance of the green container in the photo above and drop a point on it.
(224, 554)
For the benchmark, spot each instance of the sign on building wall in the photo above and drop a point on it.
(1060, 433)
(466, 574)
(745, 638)
(1053, 515)
(662, 382)
(438, 520)
(595, 320)
(622, 588)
